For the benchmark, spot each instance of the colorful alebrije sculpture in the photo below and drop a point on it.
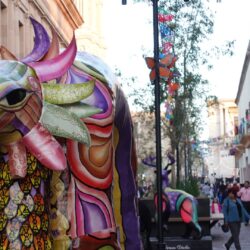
(179, 200)
(67, 170)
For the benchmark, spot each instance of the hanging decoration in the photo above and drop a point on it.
(165, 19)
(168, 74)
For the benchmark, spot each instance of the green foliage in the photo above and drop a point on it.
(212, 100)
(190, 186)
(192, 26)
(137, 96)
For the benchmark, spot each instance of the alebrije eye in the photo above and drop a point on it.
(16, 96)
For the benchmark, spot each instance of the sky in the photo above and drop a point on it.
(232, 22)
(129, 36)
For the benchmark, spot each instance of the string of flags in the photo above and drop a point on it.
(168, 74)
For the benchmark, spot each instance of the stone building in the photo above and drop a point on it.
(222, 124)
(243, 102)
(16, 32)
(90, 35)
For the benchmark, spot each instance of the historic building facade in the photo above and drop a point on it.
(16, 30)
(90, 35)
(222, 126)
(243, 102)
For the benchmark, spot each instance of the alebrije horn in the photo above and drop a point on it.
(56, 67)
(41, 43)
(6, 54)
(54, 47)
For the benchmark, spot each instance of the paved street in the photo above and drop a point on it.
(219, 238)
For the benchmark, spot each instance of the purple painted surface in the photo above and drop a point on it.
(123, 163)
(99, 65)
(55, 68)
(173, 196)
(20, 126)
(75, 76)
(33, 192)
(42, 188)
(97, 99)
(93, 217)
(41, 43)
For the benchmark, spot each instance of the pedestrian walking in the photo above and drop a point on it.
(216, 209)
(211, 192)
(244, 195)
(216, 206)
(222, 194)
(234, 213)
(206, 189)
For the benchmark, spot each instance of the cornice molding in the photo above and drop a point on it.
(44, 8)
(70, 11)
(20, 4)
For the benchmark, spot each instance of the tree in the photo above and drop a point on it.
(192, 25)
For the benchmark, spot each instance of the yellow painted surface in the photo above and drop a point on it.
(117, 198)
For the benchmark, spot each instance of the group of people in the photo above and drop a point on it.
(234, 202)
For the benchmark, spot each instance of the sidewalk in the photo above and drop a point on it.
(219, 238)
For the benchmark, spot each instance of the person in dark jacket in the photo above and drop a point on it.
(222, 194)
(234, 213)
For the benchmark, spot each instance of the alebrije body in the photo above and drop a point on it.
(67, 174)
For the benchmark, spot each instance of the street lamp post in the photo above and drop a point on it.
(161, 244)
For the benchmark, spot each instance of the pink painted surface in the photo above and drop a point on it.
(45, 148)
